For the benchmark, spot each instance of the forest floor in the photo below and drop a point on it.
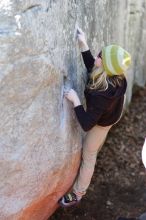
(118, 187)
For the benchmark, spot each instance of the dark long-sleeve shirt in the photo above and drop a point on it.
(104, 108)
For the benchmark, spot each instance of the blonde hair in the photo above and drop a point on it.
(100, 80)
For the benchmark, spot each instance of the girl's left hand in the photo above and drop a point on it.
(72, 96)
(82, 40)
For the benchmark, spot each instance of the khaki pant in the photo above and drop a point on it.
(91, 146)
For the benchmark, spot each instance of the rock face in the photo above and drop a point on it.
(40, 139)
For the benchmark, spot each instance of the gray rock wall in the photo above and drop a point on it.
(40, 139)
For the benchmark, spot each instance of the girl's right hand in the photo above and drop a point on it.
(72, 96)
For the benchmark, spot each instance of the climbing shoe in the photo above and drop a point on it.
(69, 199)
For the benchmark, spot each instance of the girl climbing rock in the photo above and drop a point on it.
(104, 93)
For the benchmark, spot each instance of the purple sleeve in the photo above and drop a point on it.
(87, 119)
(88, 60)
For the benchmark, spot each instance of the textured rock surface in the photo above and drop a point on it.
(39, 136)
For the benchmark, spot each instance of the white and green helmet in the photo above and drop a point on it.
(115, 59)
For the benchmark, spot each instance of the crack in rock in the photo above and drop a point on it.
(32, 7)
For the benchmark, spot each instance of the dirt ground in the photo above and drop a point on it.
(118, 187)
